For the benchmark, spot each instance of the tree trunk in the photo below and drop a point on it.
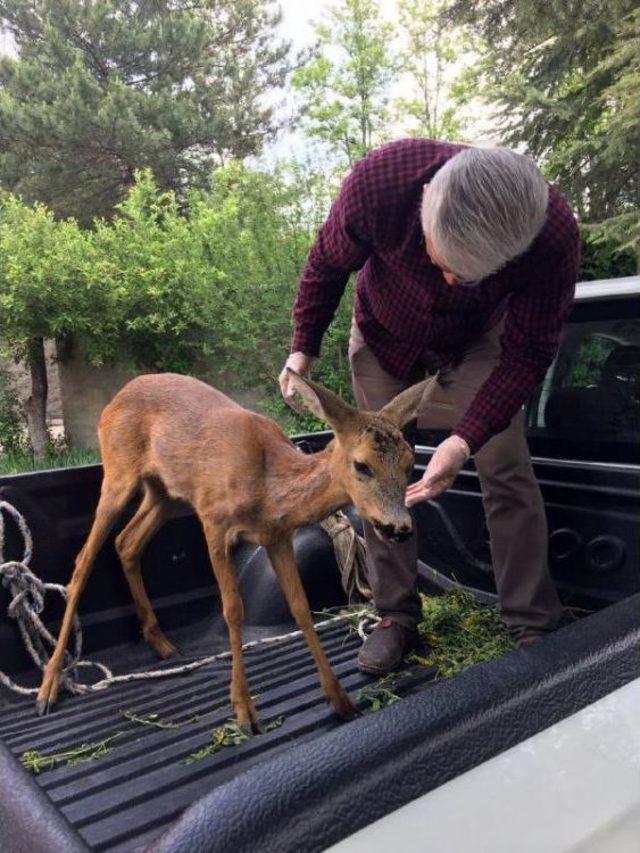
(36, 405)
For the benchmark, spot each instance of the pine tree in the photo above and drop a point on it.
(566, 78)
(619, 137)
(101, 88)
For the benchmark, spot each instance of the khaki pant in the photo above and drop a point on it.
(511, 496)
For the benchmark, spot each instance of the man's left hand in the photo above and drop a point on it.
(441, 471)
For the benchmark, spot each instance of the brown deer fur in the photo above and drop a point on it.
(172, 437)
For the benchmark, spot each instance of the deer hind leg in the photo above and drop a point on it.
(284, 565)
(233, 612)
(154, 510)
(113, 499)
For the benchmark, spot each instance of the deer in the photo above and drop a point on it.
(174, 439)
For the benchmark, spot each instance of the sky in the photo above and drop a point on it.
(6, 43)
(296, 20)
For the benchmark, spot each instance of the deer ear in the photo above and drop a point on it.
(321, 402)
(404, 407)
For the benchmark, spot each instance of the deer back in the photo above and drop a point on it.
(201, 445)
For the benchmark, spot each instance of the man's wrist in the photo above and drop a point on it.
(459, 441)
(299, 356)
(307, 343)
(301, 363)
(303, 354)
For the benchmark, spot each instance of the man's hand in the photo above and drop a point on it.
(303, 365)
(441, 471)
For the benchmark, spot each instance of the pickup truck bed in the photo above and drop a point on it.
(126, 799)
(142, 792)
(314, 780)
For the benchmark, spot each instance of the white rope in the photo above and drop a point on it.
(27, 603)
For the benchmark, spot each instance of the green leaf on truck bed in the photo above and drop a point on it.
(228, 734)
(36, 762)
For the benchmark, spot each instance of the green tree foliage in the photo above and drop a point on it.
(432, 48)
(619, 136)
(259, 228)
(104, 87)
(161, 286)
(42, 294)
(566, 78)
(344, 84)
(165, 293)
(47, 287)
(602, 258)
(11, 421)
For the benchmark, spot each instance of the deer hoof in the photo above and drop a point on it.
(48, 694)
(343, 706)
(249, 728)
(159, 643)
(42, 707)
(167, 650)
(247, 718)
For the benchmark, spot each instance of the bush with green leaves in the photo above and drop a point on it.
(165, 296)
(12, 425)
(259, 228)
(168, 286)
(604, 258)
(46, 291)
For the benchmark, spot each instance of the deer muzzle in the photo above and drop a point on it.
(393, 532)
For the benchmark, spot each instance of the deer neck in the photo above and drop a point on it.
(309, 489)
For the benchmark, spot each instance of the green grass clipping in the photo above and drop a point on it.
(36, 762)
(458, 631)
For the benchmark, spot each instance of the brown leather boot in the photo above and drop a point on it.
(385, 647)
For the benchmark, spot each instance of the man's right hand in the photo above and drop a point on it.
(303, 365)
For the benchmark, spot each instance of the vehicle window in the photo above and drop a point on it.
(590, 398)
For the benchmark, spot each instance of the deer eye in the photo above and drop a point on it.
(363, 468)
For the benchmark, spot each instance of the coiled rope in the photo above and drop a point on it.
(28, 593)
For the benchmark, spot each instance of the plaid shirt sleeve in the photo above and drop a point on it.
(341, 247)
(534, 321)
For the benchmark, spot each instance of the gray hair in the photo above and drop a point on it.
(484, 207)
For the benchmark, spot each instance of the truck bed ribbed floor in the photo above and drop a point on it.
(125, 799)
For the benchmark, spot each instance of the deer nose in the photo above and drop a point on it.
(403, 532)
(397, 533)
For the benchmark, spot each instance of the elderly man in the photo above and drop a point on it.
(468, 261)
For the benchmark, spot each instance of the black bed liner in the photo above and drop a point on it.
(127, 798)
(314, 780)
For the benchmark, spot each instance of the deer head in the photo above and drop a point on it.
(372, 458)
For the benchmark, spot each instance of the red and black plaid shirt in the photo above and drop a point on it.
(403, 306)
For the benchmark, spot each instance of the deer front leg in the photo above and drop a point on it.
(284, 565)
(233, 612)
